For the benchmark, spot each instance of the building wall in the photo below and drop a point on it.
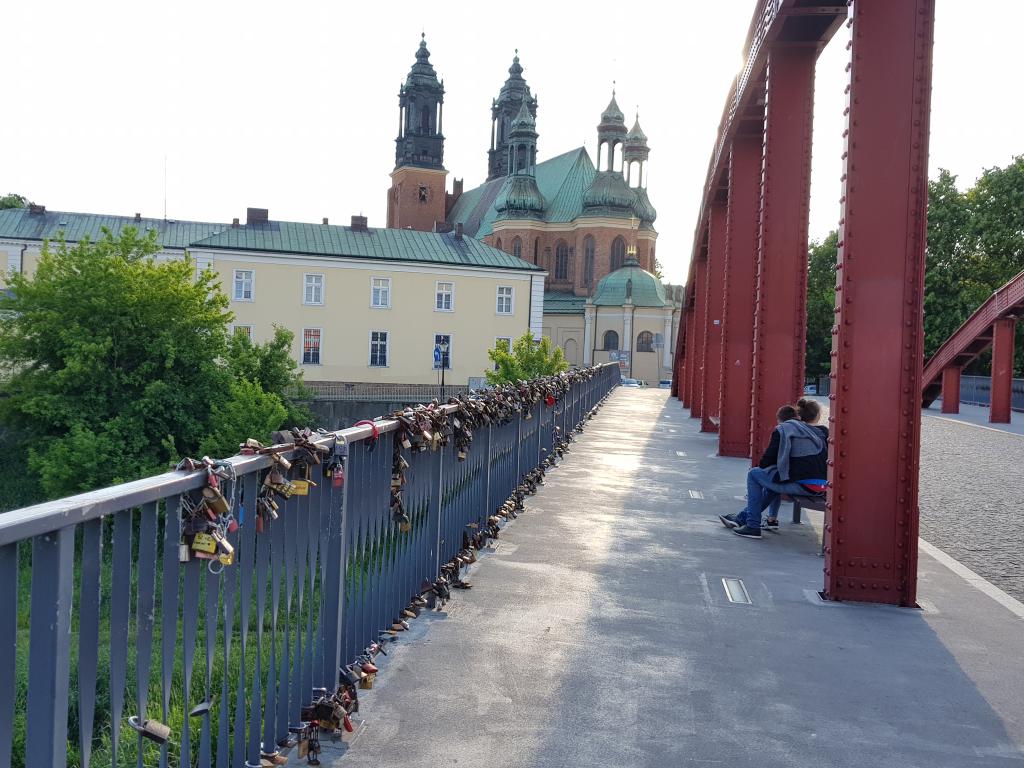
(406, 209)
(566, 331)
(346, 318)
(547, 236)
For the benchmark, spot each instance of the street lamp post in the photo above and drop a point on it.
(444, 364)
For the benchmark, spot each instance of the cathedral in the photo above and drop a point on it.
(591, 227)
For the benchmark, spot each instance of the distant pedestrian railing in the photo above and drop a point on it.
(977, 390)
(112, 628)
(391, 393)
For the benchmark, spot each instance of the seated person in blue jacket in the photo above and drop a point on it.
(794, 463)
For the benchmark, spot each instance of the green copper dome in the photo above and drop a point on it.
(642, 206)
(631, 279)
(608, 195)
(519, 197)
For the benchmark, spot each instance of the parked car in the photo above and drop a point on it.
(810, 389)
(665, 384)
(630, 383)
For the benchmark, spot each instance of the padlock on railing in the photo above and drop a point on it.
(153, 730)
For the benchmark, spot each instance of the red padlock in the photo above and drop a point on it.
(337, 477)
(232, 525)
(259, 523)
(347, 723)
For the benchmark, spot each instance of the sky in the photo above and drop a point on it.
(294, 107)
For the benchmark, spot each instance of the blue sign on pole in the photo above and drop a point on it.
(437, 355)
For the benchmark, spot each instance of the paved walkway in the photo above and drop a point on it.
(599, 634)
(977, 415)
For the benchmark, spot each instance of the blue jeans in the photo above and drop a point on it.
(763, 493)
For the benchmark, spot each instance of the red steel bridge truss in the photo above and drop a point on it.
(740, 353)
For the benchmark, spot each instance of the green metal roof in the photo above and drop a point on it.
(21, 224)
(647, 290)
(563, 303)
(562, 180)
(377, 244)
(272, 236)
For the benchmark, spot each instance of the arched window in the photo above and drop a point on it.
(588, 260)
(425, 120)
(645, 342)
(517, 248)
(561, 261)
(618, 253)
(571, 351)
(536, 250)
(611, 341)
(498, 244)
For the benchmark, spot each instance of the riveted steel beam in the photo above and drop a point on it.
(951, 389)
(700, 314)
(871, 535)
(1002, 370)
(711, 385)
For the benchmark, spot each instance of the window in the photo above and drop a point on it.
(380, 296)
(517, 248)
(618, 253)
(424, 193)
(611, 341)
(311, 346)
(504, 300)
(536, 250)
(502, 342)
(444, 297)
(498, 244)
(313, 289)
(243, 284)
(588, 260)
(645, 342)
(242, 330)
(378, 349)
(444, 341)
(561, 261)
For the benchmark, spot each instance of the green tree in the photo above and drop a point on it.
(116, 360)
(249, 411)
(527, 359)
(821, 302)
(13, 201)
(271, 366)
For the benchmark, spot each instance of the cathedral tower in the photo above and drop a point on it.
(416, 199)
(504, 110)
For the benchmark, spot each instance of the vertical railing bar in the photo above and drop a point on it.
(210, 623)
(228, 578)
(88, 636)
(256, 700)
(189, 630)
(320, 678)
(300, 694)
(333, 575)
(313, 536)
(53, 565)
(272, 732)
(245, 555)
(9, 646)
(145, 607)
(289, 682)
(169, 609)
(121, 571)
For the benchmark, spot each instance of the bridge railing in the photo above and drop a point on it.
(977, 390)
(101, 621)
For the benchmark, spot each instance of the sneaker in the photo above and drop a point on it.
(771, 524)
(747, 532)
(729, 521)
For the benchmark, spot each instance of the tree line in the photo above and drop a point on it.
(975, 245)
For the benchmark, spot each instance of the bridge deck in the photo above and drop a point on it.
(599, 634)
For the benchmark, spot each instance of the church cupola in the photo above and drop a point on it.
(635, 156)
(420, 141)
(520, 197)
(608, 194)
(611, 135)
(515, 94)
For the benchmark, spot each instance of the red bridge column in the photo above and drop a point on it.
(1002, 371)
(871, 548)
(689, 355)
(700, 314)
(738, 309)
(951, 389)
(780, 313)
(716, 288)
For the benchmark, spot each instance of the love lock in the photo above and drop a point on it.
(215, 500)
(153, 730)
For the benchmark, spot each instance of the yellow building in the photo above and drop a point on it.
(366, 305)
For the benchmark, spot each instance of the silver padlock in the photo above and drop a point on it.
(184, 553)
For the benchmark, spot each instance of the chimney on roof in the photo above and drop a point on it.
(458, 231)
(138, 217)
(256, 216)
(325, 220)
(36, 210)
(359, 224)
(442, 226)
(234, 223)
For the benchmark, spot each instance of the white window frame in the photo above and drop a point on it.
(373, 287)
(319, 348)
(234, 328)
(451, 347)
(252, 286)
(511, 300)
(387, 349)
(450, 294)
(502, 338)
(306, 285)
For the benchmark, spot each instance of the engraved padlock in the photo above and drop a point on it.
(204, 542)
(215, 500)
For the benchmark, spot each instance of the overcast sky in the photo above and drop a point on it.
(293, 107)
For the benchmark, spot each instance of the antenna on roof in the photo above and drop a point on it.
(165, 186)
